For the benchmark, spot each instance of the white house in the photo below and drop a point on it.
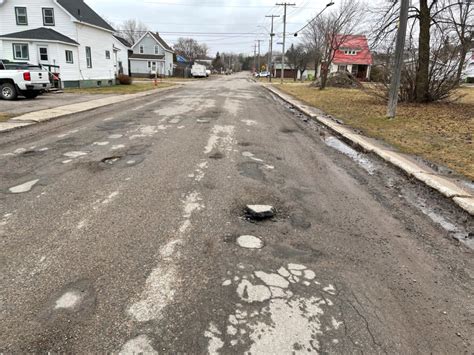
(151, 54)
(66, 36)
(122, 50)
(468, 73)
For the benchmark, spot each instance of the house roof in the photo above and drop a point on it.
(353, 42)
(42, 33)
(83, 13)
(123, 41)
(146, 56)
(160, 40)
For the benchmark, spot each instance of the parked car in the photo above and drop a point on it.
(22, 79)
(208, 72)
(198, 71)
(264, 74)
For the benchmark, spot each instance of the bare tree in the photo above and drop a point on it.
(190, 48)
(330, 31)
(132, 30)
(426, 19)
(298, 59)
(461, 20)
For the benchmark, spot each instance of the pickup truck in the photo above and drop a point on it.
(22, 79)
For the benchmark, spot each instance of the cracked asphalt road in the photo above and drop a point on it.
(119, 229)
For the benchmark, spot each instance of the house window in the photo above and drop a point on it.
(43, 53)
(142, 50)
(107, 54)
(48, 17)
(21, 16)
(350, 52)
(149, 64)
(20, 51)
(157, 50)
(342, 68)
(69, 57)
(89, 57)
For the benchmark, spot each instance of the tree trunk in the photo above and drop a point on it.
(422, 74)
(324, 75)
(463, 54)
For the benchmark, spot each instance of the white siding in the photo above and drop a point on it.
(99, 41)
(121, 56)
(63, 21)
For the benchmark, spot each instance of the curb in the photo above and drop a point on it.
(458, 194)
(35, 117)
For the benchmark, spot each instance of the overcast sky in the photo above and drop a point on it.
(224, 25)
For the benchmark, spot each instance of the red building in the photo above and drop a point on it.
(353, 55)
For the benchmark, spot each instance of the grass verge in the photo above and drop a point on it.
(4, 117)
(119, 89)
(440, 132)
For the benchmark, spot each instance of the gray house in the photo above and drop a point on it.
(151, 55)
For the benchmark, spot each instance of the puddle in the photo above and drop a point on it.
(111, 160)
(365, 163)
(455, 231)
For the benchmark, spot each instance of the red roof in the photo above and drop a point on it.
(357, 43)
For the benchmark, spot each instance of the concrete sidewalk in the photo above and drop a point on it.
(448, 187)
(31, 118)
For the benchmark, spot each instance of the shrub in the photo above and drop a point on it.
(124, 79)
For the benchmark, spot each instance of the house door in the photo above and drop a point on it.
(43, 55)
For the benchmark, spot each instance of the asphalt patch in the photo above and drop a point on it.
(251, 170)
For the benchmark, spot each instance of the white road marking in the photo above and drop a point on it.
(115, 136)
(220, 135)
(117, 147)
(100, 143)
(249, 242)
(26, 187)
(74, 155)
(68, 300)
(67, 161)
(284, 322)
(139, 345)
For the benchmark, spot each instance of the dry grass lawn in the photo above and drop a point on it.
(4, 117)
(440, 132)
(120, 89)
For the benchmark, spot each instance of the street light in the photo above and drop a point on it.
(327, 5)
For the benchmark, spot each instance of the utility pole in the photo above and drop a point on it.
(398, 63)
(258, 41)
(254, 57)
(284, 39)
(270, 55)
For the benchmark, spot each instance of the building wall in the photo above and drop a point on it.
(56, 56)
(148, 43)
(97, 39)
(63, 22)
(141, 66)
(121, 56)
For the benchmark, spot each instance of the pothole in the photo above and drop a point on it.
(217, 156)
(259, 212)
(111, 160)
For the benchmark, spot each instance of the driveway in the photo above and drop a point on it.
(125, 229)
(51, 100)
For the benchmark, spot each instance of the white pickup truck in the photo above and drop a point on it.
(22, 79)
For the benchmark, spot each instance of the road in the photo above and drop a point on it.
(120, 232)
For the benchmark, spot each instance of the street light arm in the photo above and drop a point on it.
(310, 22)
